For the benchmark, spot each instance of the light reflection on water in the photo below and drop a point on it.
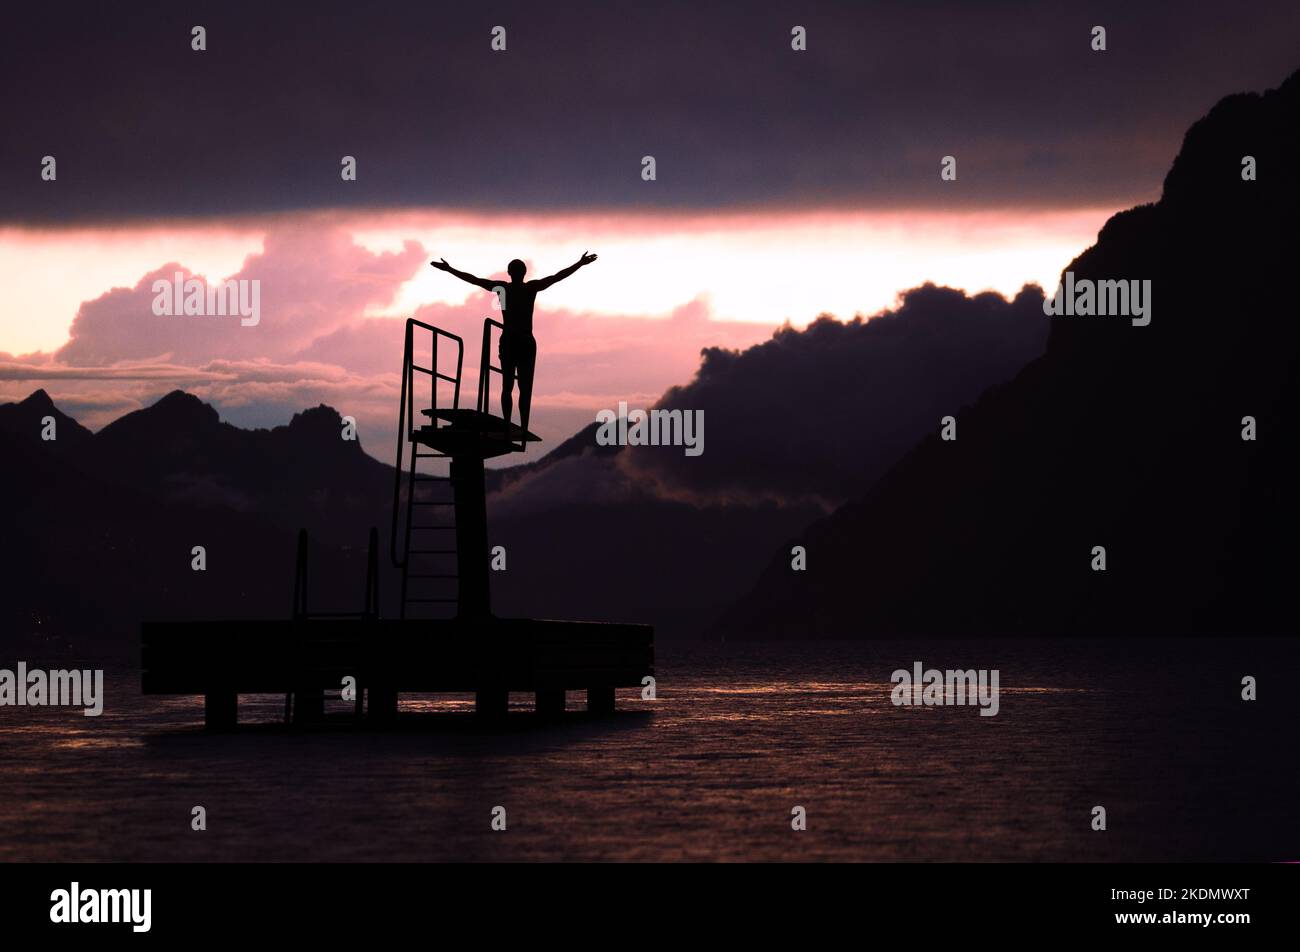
(738, 735)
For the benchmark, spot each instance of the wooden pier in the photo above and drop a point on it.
(223, 659)
(307, 655)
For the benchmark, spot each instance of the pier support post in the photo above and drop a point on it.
(474, 599)
(491, 704)
(308, 706)
(381, 704)
(220, 710)
(600, 700)
(550, 704)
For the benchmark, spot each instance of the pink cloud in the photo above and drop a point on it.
(314, 344)
(311, 281)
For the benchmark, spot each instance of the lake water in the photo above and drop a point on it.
(1154, 731)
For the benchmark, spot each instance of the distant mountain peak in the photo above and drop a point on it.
(1122, 438)
(1239, 125)
(35, 404)
(178, 398)
(315, 418)
(37, 400)
(25, 419)
(180, 403)
(177, 413)
(320, 429)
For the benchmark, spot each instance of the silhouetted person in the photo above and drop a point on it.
(517, 348)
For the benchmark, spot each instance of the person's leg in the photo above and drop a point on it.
(506, 352)
(527, 364)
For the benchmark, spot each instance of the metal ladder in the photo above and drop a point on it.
(427, 581)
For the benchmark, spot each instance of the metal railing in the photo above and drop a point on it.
(486, 366)
(406, 415)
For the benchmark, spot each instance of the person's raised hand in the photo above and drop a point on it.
(586, 258)
(441, 265)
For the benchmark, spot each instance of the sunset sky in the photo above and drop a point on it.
(788, 183)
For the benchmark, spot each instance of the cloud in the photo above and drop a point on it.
(315, 344)
(260, 121)
(809, 417)
(586, 479)
(781, 424)
(819, 413)
(311, 281)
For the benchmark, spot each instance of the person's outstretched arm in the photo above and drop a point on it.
(543, 283)
(483, 283)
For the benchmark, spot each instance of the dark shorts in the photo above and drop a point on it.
(518, 354)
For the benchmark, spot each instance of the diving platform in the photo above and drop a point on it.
(445, 638)
(473, 433)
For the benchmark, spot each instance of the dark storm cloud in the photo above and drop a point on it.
(142, 126)
(876, 387)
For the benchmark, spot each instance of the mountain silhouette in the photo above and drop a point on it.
(302, 474)
(107, 521)
(1119, 436)
(606, 532)
(103, 525)
(821, 412)
(32, 463)
(23, 422)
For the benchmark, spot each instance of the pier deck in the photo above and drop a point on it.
(490, 658)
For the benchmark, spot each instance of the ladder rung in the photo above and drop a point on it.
(442, 600)
(416, 502)
(430, 528)
(420, 478)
